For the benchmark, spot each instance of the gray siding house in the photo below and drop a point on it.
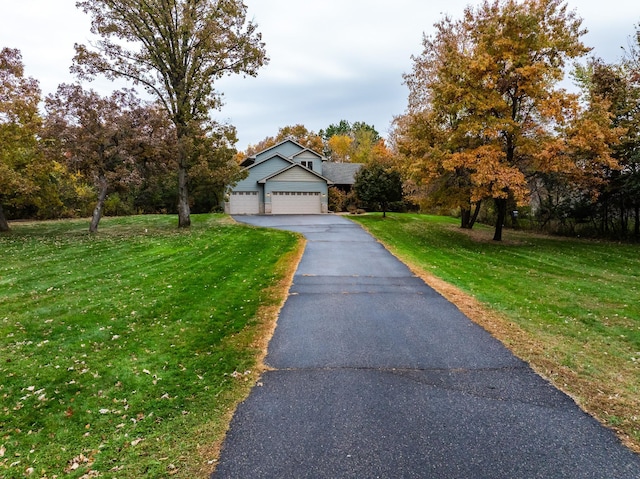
(286, 179)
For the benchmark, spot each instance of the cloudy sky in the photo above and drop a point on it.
(330, 59)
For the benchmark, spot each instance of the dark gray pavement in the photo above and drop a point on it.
(375, 375)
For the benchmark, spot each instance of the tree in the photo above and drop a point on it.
(342, 128)
(377, 184)
(490, 82)
(630, 146)
(345, 142)
(345, 128)
(423, 142)
(105, 138)
(176, 49)
(340, 148)
(214, 167)
(20, 160)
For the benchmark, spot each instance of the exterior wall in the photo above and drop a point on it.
(259, 171)
(295, 174)
(287, 149)
(313, 158)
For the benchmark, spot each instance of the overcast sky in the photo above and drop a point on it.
(330, 59)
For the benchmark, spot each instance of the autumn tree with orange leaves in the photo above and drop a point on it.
(20, 161)
(486, 113)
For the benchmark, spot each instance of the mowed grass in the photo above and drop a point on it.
(570, 307)
(123, 353)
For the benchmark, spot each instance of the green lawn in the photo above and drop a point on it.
(570, 307)
(123, 353)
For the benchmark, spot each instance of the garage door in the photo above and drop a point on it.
(295, 203)
(244, 203)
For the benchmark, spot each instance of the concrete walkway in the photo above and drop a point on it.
(377, 376)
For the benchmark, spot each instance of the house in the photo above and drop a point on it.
(285, 179)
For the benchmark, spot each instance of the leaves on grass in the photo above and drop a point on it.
(121, 355)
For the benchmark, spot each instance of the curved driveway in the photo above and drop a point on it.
(375, 375)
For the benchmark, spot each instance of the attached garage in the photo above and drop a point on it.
(295, 203)
(244, 203)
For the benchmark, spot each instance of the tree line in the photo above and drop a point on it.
(490, 128)
(121, 148)
(76, 153)
(489, 132)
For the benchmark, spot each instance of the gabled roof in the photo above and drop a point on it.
(288, 140)
(250, 160)
(294, 165)
(278, 155)
(341, 173)
(247, 162)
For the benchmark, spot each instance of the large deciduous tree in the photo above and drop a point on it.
(104, 138)
(488, 85)
(19, 126)
(176, 49)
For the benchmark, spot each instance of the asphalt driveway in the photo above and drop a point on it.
(375, 375)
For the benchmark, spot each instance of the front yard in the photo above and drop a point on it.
(123, 354)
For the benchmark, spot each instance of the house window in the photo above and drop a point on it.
(307, 164)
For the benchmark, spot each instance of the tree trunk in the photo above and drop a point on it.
(624, 219)
(605, 217)
(97, 212)
(474, 216)
(469, 219)
(184, 148)
(184, 213)
(4, 224)
(465, 218)
(636, 227)
(501, 206)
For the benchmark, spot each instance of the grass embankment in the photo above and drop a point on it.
(123, 354)
(569, 307)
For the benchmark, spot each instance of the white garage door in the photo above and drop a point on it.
(244, 203)
(295, 203)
